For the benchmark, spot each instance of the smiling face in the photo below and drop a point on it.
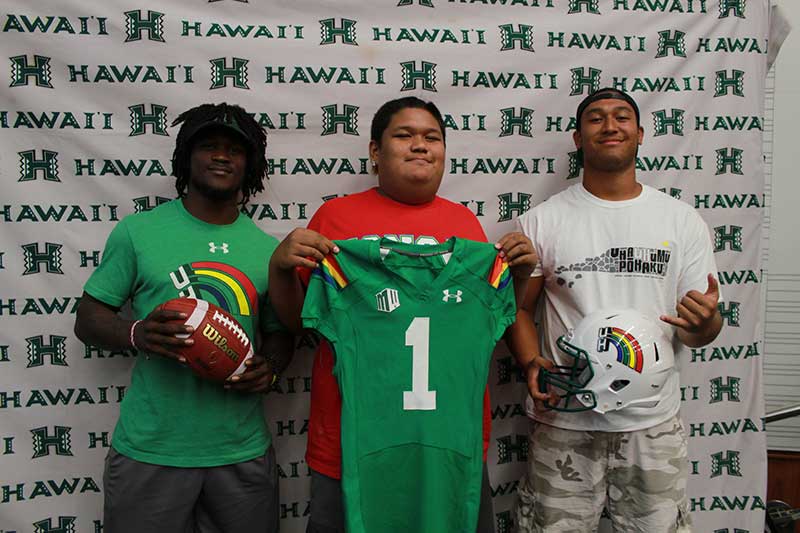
(609, 135)
(218, 163)
(410, 157)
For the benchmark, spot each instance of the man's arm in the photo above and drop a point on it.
(264, 367)
(698, 319)
(301, 248)
(519, 253)
(99, 324)
(523, 340)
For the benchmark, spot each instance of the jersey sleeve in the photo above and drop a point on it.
(698, 261)
(113, 280)
(505, 309)
(323, 297)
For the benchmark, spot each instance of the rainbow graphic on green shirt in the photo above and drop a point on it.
(629, 352)
(225, 286)
(499, 276)
(330, 271)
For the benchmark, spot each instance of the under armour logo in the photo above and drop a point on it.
(214, 247)
(447, 296)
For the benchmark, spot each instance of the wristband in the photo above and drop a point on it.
(133, 329)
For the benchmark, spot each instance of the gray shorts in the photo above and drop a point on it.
(639, 477)
(327, 505)
(145, 498)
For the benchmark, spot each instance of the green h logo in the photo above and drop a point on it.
(221, 73)
(507, 369)
(511, 445)
(509, 207)
(578, 6)
(66, 524)
(510, 38)
(575, 164)
(42, 441)
(30, 167)
(728, 6)
(729, 461)
(38, 350)
(585, 80)
(730, 389)
(332, 119)
(144, 203)
(728, 237)
(156, 119)
(411, 75)
(135, 25)
(330, 32)
(671, 40)
(424, 3)
(731, 314)
(729, 159)
(663, 123)
(725, 83)
(522, 122)
(22, 71)
(35, 258)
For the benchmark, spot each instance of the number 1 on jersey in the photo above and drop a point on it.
(419, 398)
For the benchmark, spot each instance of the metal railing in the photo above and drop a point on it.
(782, 414)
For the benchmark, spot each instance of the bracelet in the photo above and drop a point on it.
(133, 329)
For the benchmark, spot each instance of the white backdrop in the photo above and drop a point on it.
(88, 93)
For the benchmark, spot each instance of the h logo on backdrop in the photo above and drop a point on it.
(330, 32)
(136, 24)
(510, 121)
(31, 167)
(35, 258)
(140, 119)
(39, 70)
(585, 80)
(664, 124)
(332, 119)
(425, 75)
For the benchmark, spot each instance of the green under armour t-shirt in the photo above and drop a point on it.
(412, 328)
(169, 416)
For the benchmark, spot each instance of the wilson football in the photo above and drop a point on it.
(220, 344)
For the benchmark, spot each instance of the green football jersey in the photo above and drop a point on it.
(413, 328)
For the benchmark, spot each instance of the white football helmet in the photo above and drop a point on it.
(621, 358)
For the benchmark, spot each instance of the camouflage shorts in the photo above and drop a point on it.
(639, 477)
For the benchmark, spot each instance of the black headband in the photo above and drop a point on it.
(608, 93)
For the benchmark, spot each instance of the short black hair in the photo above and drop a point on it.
(383, 116)
(228, 117)
(604, 94)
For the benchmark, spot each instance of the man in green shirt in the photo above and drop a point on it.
(187, 453)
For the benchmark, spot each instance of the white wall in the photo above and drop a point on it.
(782, 321)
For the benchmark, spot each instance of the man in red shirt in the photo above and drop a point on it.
(407, 150)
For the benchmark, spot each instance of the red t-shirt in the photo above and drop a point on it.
(368, 214)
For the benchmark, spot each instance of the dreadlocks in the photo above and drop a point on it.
(223, 114)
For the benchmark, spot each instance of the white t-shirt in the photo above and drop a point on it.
(645, 254)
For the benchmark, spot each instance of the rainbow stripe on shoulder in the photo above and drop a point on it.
(330, 271)
(499, 276)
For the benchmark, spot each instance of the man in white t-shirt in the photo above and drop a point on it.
(611, 242)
